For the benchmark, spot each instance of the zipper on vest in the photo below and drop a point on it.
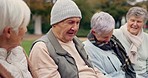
(112, 64)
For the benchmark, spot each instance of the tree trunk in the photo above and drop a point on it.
(38, 26)
(123, 20)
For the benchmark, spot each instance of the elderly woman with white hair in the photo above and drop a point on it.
(105, 51)
(134, 40)
(14, 18)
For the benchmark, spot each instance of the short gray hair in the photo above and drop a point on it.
(137, 11)
(13, 13)
(102, 22)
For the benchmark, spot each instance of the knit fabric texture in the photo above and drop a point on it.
(64, 9)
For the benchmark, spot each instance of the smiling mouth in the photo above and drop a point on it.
(134, 28)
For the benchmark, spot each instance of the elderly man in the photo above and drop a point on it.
(104, 50)
(59, 54)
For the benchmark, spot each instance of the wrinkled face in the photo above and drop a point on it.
(67, 29)
(103, 38)
(16, 38)
(135, 24)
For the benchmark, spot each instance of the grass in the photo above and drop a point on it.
(26, 44)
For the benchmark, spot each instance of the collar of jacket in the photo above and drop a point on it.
(59, 50)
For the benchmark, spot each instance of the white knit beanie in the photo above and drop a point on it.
(63, 9)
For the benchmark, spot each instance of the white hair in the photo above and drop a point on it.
(137, 11)
(13, 13)
(102, 22)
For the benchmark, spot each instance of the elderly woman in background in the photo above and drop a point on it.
(134, 40)
(104, 50)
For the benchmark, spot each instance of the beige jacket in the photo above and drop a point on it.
(15, 64)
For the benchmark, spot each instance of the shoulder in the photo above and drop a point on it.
(145, 35)
(87, 44)
(39, 45)
(39, 48)
(86, 41)
(117, 32)
(90, 48)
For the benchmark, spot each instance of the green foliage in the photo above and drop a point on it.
(45, 27)
(40, 7)
(83, 32)
(30, 27)
(86, 11)
(143, 4)
(117, 8)
(26, 44)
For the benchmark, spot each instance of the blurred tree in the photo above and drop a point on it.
(117, 8)
(143, 4)
(132, 2)
(40, 10)
(87, 12)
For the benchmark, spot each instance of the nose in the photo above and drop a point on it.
(107, 40)
(72, 28)
(135, 23)
(75, 27)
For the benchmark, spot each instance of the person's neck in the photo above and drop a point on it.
(6, 45)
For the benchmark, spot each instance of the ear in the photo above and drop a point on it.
(7, 31)
(93, 31)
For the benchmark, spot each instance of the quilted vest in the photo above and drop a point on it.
(66, 63)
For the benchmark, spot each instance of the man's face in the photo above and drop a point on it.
(103, 38)
(67, 29)
(135, 24)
